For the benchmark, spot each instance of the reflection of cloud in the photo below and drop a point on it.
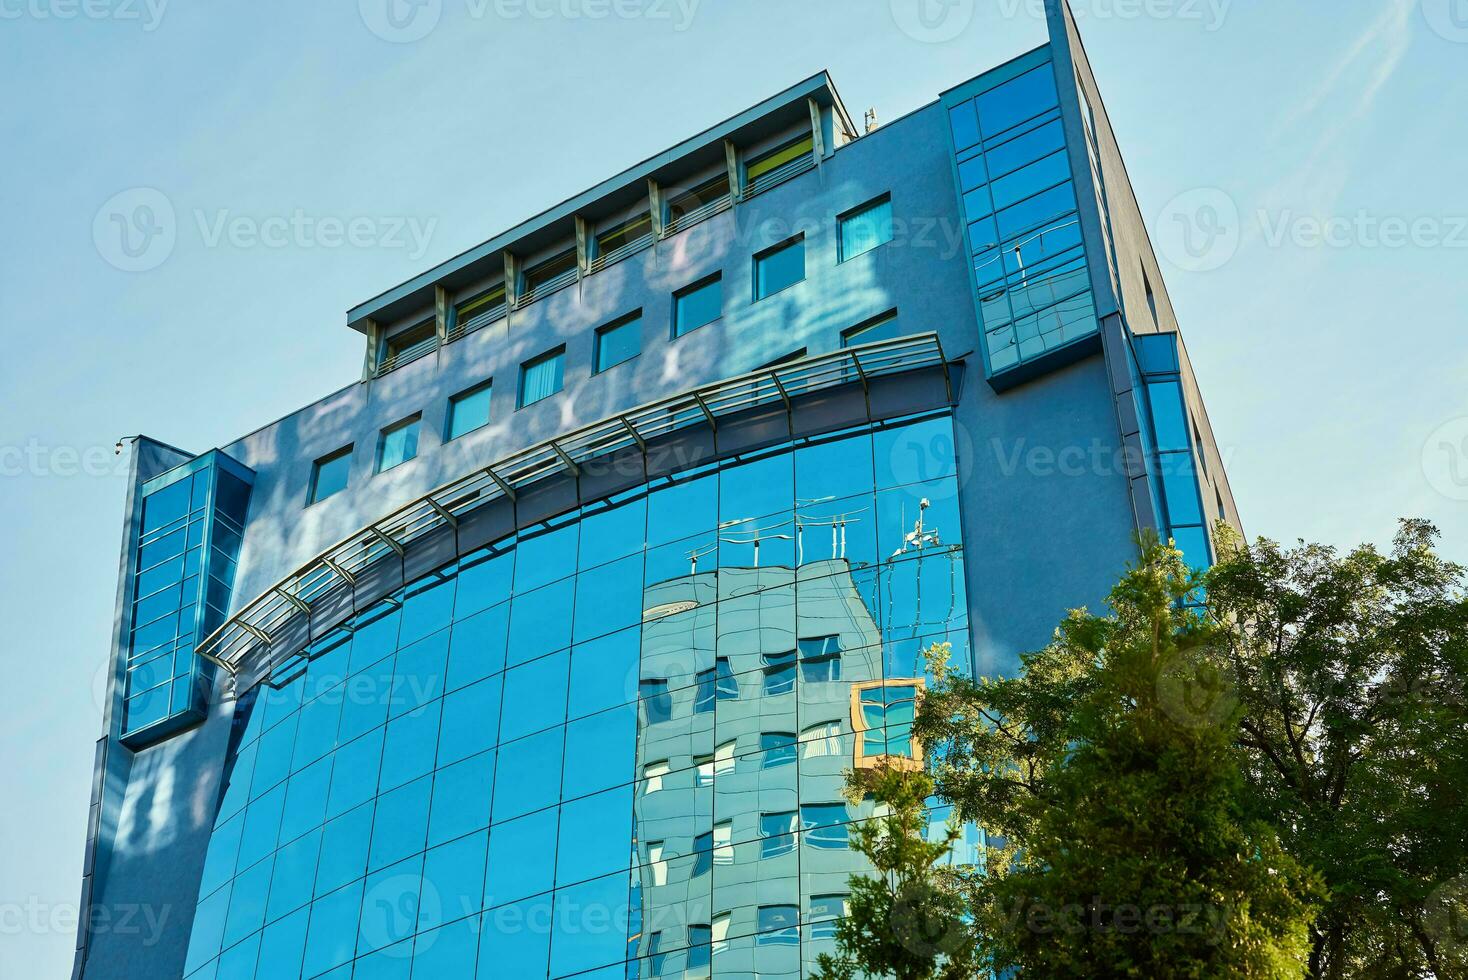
(1358, 77)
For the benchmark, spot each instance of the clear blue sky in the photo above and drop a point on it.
(1330, 369)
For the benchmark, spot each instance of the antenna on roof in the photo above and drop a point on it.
(871, 119)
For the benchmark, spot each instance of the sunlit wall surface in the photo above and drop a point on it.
(610, 747)
(183, 563)
(1019, 202)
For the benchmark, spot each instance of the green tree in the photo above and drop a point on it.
(904, 921)
(1350, 671)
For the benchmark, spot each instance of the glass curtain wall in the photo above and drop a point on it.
(612, 746)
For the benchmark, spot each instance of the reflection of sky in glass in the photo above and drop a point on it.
(630, 728)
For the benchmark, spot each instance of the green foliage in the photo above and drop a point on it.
(902, 922)
(1350, 671)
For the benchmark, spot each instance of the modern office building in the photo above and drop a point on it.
(542, 649)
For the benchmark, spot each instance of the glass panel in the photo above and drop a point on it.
(779, 268)
(776, 158)
(398, 444)
(698, 305)
(469, 411)
(541, 377)
(329, 474)
(866, 229)
(618, 342)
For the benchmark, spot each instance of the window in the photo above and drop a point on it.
(825, 911)
(653, 774)
(778, 749)
(1151, 300)
(820, 659)
(697, 203)
(777, 831)
(618, 341)
(883, 327)
(825, 825)
(715, 684)
(478, 311)
(657, 866)
(723, 842)
(657, 703)
(611, 241)
(541, 377)
(718, 764)
(720, 932)
(398, 443)
(468, 410)
(882, 713)
(699, 939)
(697, 305)
(550, 275)
(797, 151)
(795, 355)
(703, 854)
(779, 672)
(821, 741)
(329, 474)
(778, 925)
(407, 345)
(865, 228)
(779, 268)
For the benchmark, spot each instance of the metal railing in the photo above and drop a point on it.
(544, 289)
(463, 328)
(781, 174)
(406, 356)
(619, 253)
(701, 213)
(257, 621)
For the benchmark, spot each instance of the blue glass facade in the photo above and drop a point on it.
(612, 745)
(189, 527)
(1033, 285)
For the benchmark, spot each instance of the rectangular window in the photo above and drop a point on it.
(882, 713)
(777, 748)
(777, 831)
(779, 268)
(657, 703)
(653, 774)
(329, 474)
(550, 275)
(623, 238)
(618, 341)
(540, 377)
(723, 842)
(825, 912)
(866, 228)
(773, 166)
(820, 659)
(700, 940)
(821, 741)
(699, 304)
(398, 443)
(478, 311)
(825, 825)
(656, 863)
(778, 925)
(693, 205)
(469, 410)
(703, 854)
(779, 672)
(883, 327)
(407, 345)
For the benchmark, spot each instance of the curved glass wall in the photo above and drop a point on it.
(611, 746)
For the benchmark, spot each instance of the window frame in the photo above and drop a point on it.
(794, 241)
(601, 333)
(462, 396)
(415, 422)
(717, 279)
(851, 336)
(860, 759)
(312, 491)
(554, 352)
(856, 212)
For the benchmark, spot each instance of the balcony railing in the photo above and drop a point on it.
(543, 289)
(266, 616)
(462, 328)
(619, 253)
(780, 174)
(406, 356)
(701, 213)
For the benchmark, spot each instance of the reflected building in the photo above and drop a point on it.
(545, 649)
